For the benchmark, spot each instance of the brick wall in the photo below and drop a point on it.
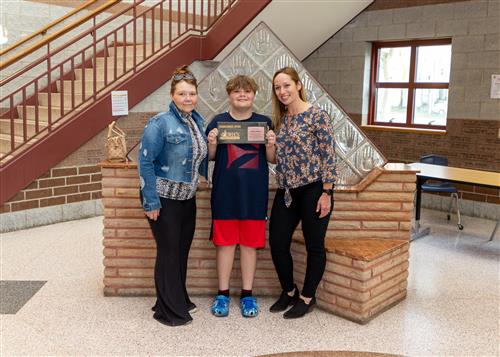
(363, 277)
(58, 186)
(471, 140)
(381, 206)
(78, 177)
(468, 143)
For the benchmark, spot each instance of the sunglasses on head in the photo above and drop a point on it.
(180, 76)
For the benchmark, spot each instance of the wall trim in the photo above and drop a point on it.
(36, 217)
(467, 207)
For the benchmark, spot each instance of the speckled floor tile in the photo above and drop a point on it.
(451, 308)
(15, 293)
(18, 338)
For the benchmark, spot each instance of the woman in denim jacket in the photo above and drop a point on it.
(172, 156)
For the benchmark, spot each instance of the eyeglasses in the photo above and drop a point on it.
(181, 76)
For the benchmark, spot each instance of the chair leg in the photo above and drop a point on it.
(494, 230)
(459, 224)
(448, 216)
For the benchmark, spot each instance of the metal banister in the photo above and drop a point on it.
(46, 28)
(57, 34)
(54, 72)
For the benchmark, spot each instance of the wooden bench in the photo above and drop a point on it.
(363, 277)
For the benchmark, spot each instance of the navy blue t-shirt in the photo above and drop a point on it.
(241, 176)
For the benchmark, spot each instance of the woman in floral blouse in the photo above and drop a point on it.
(305, 158)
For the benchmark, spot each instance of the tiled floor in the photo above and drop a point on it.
(452, 306)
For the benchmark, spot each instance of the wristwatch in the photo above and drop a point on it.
(328, 191)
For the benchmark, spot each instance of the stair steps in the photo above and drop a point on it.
(119, 62)
(43, 112)
(5, 142)
(77, 83)
(55, 98)
(129, 50)
(19, 127)
(89, 73)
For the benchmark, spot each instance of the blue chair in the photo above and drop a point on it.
(444, 186)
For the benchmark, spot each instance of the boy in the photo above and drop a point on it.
(239, 196)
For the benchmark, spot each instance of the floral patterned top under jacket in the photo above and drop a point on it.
(305, 150)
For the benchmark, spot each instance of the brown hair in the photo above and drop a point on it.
(279, 109)
(182, 74)
(241, 82)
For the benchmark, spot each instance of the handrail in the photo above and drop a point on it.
(63, 86)
(57, 34)
(56, 107)
(44, 30)
(80, 36)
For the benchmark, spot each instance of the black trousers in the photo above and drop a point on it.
(173, 232)
(284, 221)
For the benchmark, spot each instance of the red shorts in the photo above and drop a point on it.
(250, 233)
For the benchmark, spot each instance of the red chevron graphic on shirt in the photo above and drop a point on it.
(234, 152)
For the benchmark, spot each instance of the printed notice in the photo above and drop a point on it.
(256, 134)
(495, 86)
(119, 102)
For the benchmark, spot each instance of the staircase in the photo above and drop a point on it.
(69, 95)
(47, 118)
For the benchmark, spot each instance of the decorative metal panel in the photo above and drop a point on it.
(260, 55)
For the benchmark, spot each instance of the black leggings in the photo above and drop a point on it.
(173, 232)
(283, 222)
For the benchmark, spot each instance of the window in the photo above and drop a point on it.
(409, 83)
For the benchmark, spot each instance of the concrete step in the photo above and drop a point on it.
(43, 113)
(19, 127)
(89, 86)
(5, 142)
(55, 99)
(119, 62)
(89, 72)
(5, 158)
(129, 50)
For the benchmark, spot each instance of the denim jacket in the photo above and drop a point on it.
(166, 151)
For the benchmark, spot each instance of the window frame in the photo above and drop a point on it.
(411, 85)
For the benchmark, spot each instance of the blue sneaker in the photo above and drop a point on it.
(220, 307)
(249, 307)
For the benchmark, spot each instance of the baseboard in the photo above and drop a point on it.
(467, 207)
(14, 221)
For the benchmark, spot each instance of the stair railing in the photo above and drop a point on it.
(102, 55)
(44, 30)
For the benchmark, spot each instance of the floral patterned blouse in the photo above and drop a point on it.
(305, 150)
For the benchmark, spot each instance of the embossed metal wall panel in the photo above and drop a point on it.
(260, 55)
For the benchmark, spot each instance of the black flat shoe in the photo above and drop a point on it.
(300, 309)
(191, 306)
(285, 300)
(172, 323)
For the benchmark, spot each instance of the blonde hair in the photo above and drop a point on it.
(182, 74)
(241, 82)
(279, 109)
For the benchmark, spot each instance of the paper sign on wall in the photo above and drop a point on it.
(495, 86)
(119, 102)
